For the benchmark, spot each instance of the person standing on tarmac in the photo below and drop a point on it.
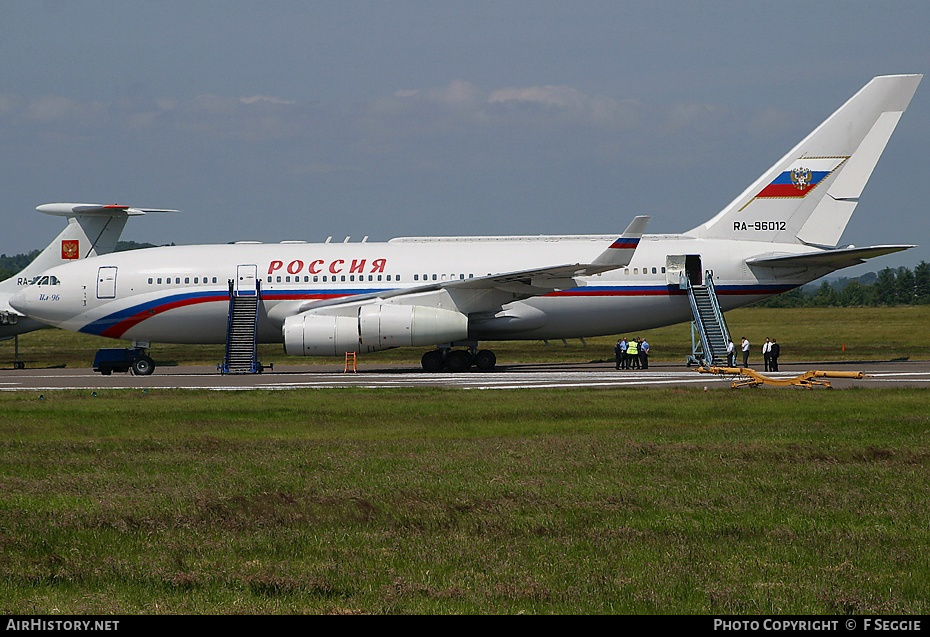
(767, 353)
(731, 353)
(774, 353)
(618, 353)
(644, 353)
(744, 346)
(632, 353)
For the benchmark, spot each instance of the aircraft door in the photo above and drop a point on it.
(693, 267)
(246, 279)
(106, 282)
(675, 270)
(680, 268)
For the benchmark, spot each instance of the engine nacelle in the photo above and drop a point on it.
(313, 335)
(386, 326)
(375, 327)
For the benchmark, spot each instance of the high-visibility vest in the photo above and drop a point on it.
(631, 348)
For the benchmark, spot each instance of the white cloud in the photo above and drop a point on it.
(52, 108)
(560, 96)
(256, 99)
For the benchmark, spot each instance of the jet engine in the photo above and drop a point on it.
(373, 328)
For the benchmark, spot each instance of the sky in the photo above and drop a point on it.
(284, 120)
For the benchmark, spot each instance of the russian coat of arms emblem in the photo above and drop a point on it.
(801, 178)
(70, 249)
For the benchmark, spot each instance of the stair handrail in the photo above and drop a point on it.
(715, 303)
(707, 352)
(224, 366)
(702, 331)
(254, 366)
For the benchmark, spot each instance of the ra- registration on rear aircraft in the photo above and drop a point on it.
(449, 293)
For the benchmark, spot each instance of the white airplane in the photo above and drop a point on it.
(334, 298)
(92, 230)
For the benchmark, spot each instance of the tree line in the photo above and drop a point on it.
(891, 286)
(11, 265)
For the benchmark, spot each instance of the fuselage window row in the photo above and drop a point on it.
(177, 280)
(333, 279)
(352, 278)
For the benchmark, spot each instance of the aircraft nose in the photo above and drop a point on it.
(47, 299)
(26, 301)
(45, 303)
(19, 302)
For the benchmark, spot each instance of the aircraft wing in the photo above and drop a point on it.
(489, 292)
(832, 259)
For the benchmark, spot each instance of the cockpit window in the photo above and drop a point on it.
(46, 280)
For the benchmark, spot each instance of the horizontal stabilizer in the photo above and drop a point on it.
(92, 230)
(95, 209)
(832, 259)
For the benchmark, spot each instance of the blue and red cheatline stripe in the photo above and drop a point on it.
(615, 290)
(669, 290)
(118, 323)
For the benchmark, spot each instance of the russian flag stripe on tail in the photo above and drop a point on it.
(621, 251)
(801, 177)
(625, 244)
(785, 186)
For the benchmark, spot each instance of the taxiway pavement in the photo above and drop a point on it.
(519, 376)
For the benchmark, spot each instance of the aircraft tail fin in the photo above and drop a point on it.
(92, 230)
(809, 195)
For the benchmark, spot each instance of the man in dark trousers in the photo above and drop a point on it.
(632, 353)
(774, 352)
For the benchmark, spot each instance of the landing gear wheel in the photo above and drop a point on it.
(458, 361)
(485, 360)
(432, 361)
(143, 366)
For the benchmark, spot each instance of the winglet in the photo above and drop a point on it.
(620, 252)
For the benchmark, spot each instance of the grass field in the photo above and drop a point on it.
(435, 501)
(438, 501)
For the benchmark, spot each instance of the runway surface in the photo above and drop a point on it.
(526, 376)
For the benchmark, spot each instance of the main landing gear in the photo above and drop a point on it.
(458, 360)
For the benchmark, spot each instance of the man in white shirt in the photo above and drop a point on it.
(767, 354)
(744, 346)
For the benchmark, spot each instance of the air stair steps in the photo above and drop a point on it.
(241, 334)
(709, 322)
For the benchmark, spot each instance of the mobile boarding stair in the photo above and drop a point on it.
(242, 329)
(709, 334)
